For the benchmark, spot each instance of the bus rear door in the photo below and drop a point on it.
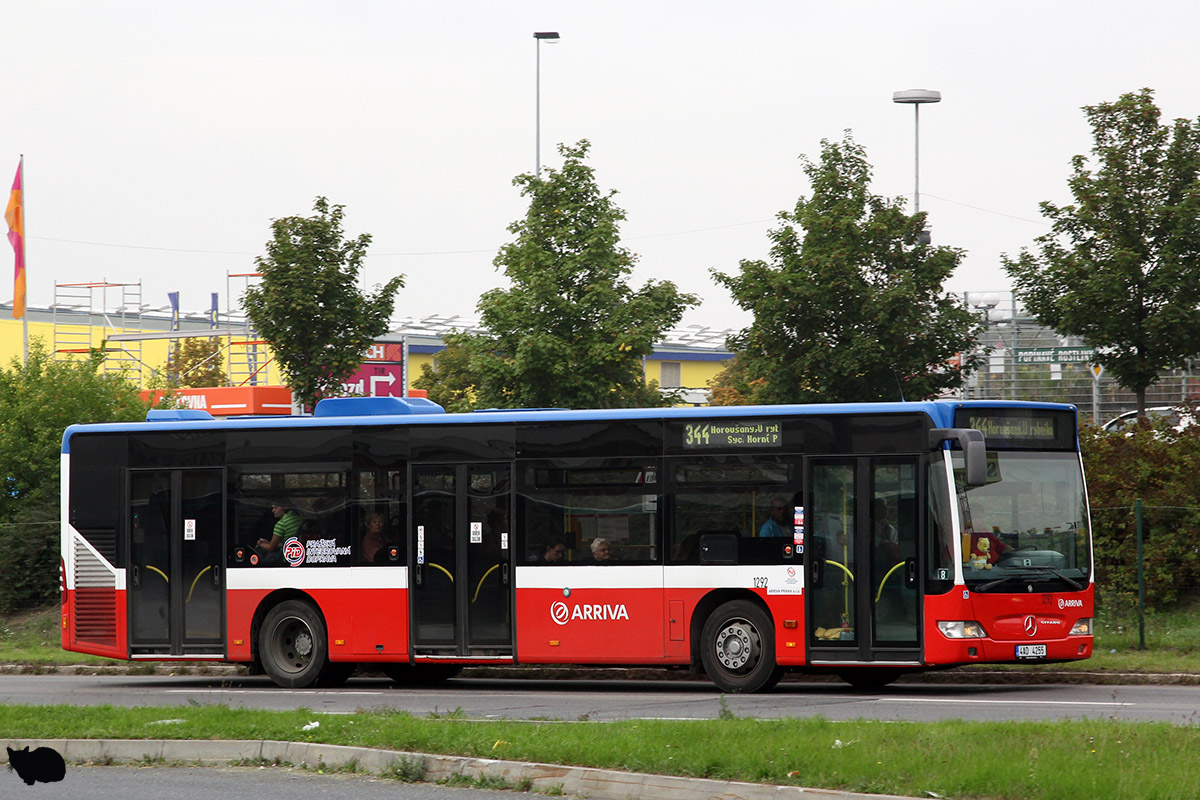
(175, 578)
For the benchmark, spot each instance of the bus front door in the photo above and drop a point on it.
(461, 571)
(176, 580)
(863, 599)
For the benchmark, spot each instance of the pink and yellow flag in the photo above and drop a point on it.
(14, 215)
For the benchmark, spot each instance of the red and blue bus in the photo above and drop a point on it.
(860, 540)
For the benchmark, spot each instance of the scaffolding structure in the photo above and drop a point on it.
(84, 320)
(249, 364)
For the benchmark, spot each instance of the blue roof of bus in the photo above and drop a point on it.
(941, 412)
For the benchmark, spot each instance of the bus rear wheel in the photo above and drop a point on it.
(737, 648)
(293, 646)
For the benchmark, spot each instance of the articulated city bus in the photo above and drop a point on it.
(860, 540)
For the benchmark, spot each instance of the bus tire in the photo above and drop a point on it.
(293, 645)
(737, 648)
(869, 679)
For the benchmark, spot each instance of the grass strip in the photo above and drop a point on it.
(1063, 760)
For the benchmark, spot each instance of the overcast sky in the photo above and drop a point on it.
(161, 138)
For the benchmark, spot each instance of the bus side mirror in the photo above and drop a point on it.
(974, 451)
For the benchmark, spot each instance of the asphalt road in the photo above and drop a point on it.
(620, 699)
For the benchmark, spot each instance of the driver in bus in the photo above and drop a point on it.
(287, 523)
(777, 524)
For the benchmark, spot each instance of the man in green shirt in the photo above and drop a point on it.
(288, 523)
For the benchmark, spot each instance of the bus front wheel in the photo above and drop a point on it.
(737, 648)
(293, 645)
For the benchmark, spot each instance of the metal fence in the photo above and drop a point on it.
(1024, 360)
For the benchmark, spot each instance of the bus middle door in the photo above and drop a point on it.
(461, 573)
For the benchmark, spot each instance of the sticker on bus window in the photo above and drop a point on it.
(189, 530)
(504, 541)
(476, 533)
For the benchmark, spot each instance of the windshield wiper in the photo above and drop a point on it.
(983, 587)
(1053, 571)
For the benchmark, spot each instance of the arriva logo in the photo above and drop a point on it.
(1065, 603)
(562, 614)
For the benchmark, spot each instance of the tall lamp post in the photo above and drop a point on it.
(916, 98)
(983, 303)
(549, 37)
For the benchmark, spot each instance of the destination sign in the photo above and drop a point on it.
(740, 434)
(1012, 427)
(1020, 428)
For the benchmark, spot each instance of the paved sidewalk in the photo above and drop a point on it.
(602, 784)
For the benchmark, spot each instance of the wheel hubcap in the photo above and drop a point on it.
(294, 646)
(738, 645)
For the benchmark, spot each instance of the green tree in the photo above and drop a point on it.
(38, 400)
(308, 305)
(1120, 267)
(850, 304)
(196, 363)
(570, 332)
(452, 383)
(1156, 464)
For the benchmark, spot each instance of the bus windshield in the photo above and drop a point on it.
(1028, 523)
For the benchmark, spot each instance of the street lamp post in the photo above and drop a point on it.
(916, 98)
(984, 303)
(549, 37)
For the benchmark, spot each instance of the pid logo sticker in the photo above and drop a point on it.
(293, 551)
(559, 613)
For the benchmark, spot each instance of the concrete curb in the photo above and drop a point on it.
(602, 784)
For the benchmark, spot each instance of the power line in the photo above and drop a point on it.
(986, 210)
(413, 254)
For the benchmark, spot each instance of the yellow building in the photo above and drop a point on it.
(136, 344)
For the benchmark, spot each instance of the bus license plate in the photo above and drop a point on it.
(1031, 651)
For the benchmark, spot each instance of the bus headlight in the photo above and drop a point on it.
(1082, 628)
(962, 629)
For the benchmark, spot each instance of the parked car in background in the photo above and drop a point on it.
(1178, 417)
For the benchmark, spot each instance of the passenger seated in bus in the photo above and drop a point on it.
(377, 537)
(778, 524)
(601, 550)
(287, 523)
(554, 553)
